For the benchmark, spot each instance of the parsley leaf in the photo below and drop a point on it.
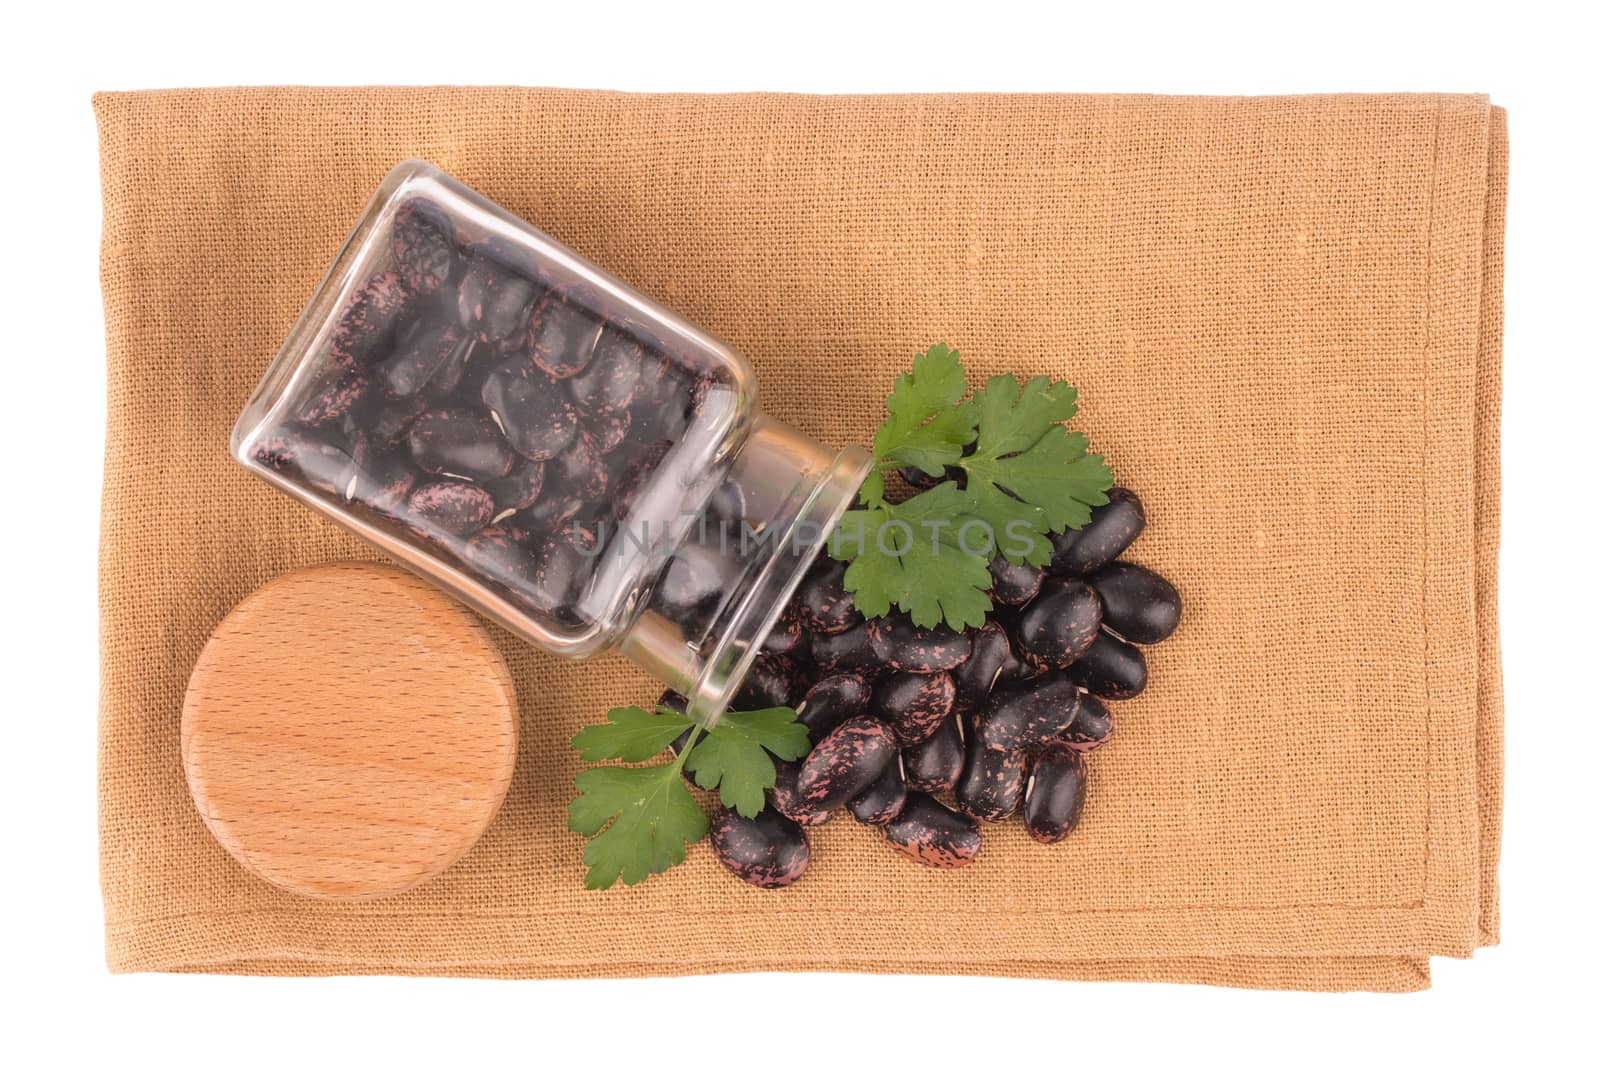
(1027, 468)
(910, 554)
(732, 757)
(630, 734)
(652, 819)
(1026, 476)
(926, 427)
(641, 819)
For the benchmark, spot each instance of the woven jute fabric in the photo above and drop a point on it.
(1283, 317)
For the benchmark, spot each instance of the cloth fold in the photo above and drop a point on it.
(1283, 316)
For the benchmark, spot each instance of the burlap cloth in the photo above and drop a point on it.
(1283, 315)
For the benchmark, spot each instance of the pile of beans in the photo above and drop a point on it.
(487, 412)
(927, 734)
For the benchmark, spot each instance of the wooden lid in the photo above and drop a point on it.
(349, 731)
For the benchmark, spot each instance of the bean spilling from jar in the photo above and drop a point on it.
(927, 735)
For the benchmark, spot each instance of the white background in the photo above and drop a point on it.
(1531, 993)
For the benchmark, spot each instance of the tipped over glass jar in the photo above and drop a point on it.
(545, 443)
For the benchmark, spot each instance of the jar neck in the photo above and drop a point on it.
(779, 500)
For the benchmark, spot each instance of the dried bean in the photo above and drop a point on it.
(847, 651)
(495, 303)
(375, 309)
(881, 801)
(454, 508)
(562, 335)
(516, 490)
(1055, 793)
(422, 355)
(933, 835)
(580, 470)
(1112, 527)
(383, 481)
(1111, 668)
(787, 636)
(554, 510)
(825, 607)
(768, 851)
(1091, 727)
(1139, 604)
(534, 415)
(991, 782)
(1013, 583)
(975, 678)
(1027, 715)
(831, 701)
(423, 242)
(607, 385)
(845, 762)
(901, 646)
(459, 443)
(771, 682)
(1059, 624)
(388, 422)
(608, 432)
(786, 796)
(692, 586)
(934, 765)
(309, 453)
(562, 569)
(914, 705)
(502, 553)
(335, 402)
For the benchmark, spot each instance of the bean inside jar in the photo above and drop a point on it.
(488, 413)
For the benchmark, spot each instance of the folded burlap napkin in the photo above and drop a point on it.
(1283, 315)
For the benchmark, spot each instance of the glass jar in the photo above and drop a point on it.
(545, 443)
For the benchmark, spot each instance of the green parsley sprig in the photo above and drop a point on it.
(641, 818)
(1026, 477)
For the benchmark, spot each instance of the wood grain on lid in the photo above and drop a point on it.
(349, 731)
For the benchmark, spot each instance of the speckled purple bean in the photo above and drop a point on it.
(1029, 714)
(786, 798)
(881, 801)
(1112, 527)
(822, 602)
(1111, 668)
(374, 310)
(832, 700)
(901, 646)
(533, 414)
(451, 507)
(1091, 727)
(768, 851)
(975, 679)
(421, 356)
(495, 303)
(1013, 583)
(849, 651)
(1059, 624)
(934, 765)
(1055, 793)
(914, 705)
(991, 782)
(334, 402)
(424, 246)
(562, 335)
(931, 834)
(611, 379)
(845, 762)
(1140, 605)
(459, 443)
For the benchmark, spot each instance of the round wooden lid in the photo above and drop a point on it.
(349, 731)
